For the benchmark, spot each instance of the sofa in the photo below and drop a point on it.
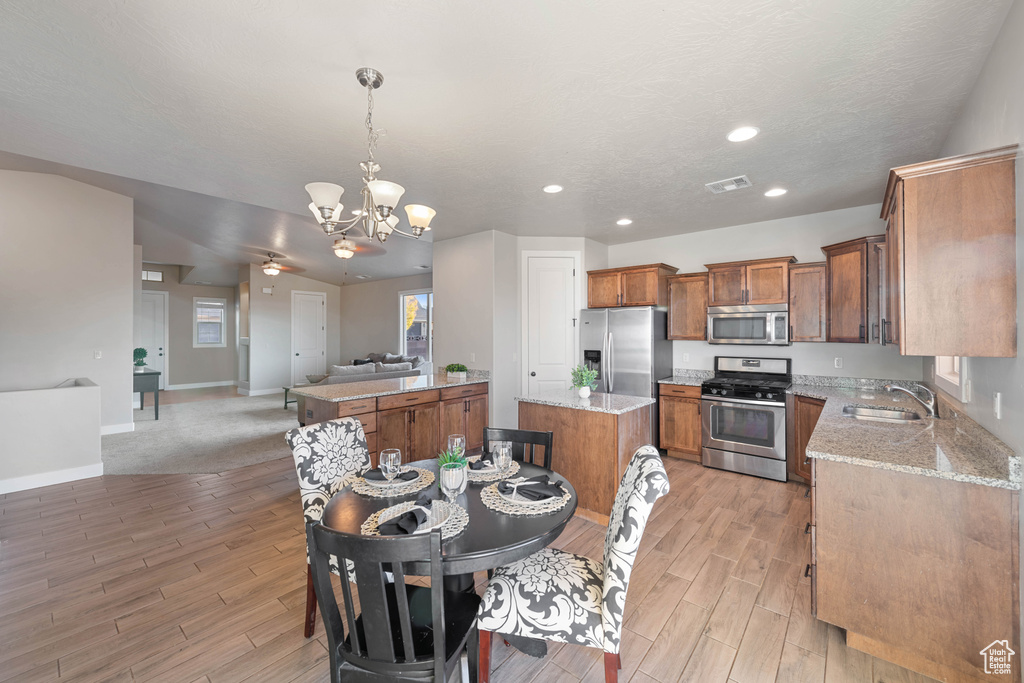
(375, 366)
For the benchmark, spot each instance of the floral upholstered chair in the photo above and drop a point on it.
(327, 456)
(555, 595)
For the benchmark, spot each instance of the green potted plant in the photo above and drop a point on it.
(140, 359)
(453, 472)
(584, 379)
(457, 372)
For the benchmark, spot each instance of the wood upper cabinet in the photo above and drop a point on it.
(680, 415)
(688, 306)
(764, 281)
(878, 268)
(952, 256)
(849, 294)
(633, 286)
(806, 412)
(807, 302)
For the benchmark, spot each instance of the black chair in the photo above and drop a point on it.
(403, 632)
(521, 438)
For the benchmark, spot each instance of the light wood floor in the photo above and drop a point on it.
(202, 578)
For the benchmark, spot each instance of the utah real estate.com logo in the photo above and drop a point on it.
(997, 657)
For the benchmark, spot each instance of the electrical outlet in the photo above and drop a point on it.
(997, 405)
(686, 358)
(97, 355)
(838, 361)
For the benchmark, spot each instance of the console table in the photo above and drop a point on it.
(149, 380)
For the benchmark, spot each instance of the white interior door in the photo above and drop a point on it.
(551, 335)
(309, 335)
(151, 332)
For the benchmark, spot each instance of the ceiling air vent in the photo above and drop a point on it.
(729, 184)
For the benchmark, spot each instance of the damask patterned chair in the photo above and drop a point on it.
(555, 595)
(327, 456)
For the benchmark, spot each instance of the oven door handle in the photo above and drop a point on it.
(717, 401)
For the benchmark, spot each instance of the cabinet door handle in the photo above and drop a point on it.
(807, 529)
(790, 333)
(807, 572)
(861, 336)
(874, 331)
(412, 416)
(884, 321)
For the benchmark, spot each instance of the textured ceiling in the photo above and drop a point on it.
(625, 104)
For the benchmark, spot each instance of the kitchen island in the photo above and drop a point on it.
(594, 439)
(412, 414)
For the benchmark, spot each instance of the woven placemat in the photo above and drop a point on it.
(457, 520)
(361, 486)
(482, 477)
(495, 501)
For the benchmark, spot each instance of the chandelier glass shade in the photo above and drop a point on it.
(376, 217)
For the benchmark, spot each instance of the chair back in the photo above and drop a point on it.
(643, 482)
(327, 455)
(390, 634)
(524, 444)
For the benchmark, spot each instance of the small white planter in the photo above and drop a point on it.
(140, 368)
(457, 376)
(584, 392)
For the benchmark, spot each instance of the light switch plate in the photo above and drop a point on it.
(268, 290)
(838, 362)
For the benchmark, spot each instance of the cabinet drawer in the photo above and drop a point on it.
(357, 406)
(679, 391)
(451, 393)
(369, 422)
(412, 399)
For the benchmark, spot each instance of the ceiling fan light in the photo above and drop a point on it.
(344, 248)
(325, 194)
(271, 267)
(385, 194)
(419, 215)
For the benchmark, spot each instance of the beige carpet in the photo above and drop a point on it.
(202, 437)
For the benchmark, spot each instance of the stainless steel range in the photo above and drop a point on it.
(743, 416)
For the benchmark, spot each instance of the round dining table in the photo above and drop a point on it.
(490, 540)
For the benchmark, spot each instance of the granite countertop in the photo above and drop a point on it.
(951, 447)
(613, 404)
(682, 381)
(382, 387)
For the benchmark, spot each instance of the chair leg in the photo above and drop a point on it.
(485, 657)
(618, 662)
(611, 668)
(310, 624)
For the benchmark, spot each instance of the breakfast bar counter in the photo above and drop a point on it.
(594, 439)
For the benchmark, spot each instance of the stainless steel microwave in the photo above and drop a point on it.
(767, 325)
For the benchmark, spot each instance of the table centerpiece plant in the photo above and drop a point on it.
(140, 359)
(457, 372)
(584, 379)
(453, 472)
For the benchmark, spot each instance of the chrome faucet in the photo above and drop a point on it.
(929, 405)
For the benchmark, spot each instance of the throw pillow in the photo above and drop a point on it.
(390, 358)
(361, 361)
(375, 357)
(415, 360)
(349, 370)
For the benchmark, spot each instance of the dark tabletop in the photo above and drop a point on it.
(490, 540)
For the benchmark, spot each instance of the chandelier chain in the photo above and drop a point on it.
(372, 134)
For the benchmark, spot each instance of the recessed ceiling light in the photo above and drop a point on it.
(624, 221)
(775, 192)
(742, 133)
(552, 189)
(362, 277)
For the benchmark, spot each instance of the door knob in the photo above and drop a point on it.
(296, 354)
(533, 374)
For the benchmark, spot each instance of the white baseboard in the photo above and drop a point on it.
(201, 385)
(117, 429)
(136, 403)
(32, 481)
(260, 392)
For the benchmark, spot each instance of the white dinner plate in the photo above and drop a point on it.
(396, 482)
(436, 516)
(519, 500)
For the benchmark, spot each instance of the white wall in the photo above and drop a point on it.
(270, 327)
(66, 290)
(464, 301)
(799, 236)
(504, 373)
(371, 315)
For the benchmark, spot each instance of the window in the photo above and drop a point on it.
(153, 275)
(208, 316)
(950, 376)
(417, 315)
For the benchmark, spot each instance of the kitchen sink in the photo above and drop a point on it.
(879, 414)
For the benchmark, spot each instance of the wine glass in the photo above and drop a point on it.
(457, 443)
(502, 456)
(390, 463)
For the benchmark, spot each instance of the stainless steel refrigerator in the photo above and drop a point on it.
(629, 349)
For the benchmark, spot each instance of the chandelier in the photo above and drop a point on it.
(377, 217)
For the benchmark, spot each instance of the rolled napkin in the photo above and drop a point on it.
(377, 475)
(483, 463)
(405, 523)
(424, 501)
(534, 488)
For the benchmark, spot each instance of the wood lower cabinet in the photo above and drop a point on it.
(679, 421)
(413, 430)
(739, 283)
(807, 312)
(952, 255)
(805, 412)
(850, 293)
(467, 415)
(633, 286)
(920, 571)
(688, 306)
